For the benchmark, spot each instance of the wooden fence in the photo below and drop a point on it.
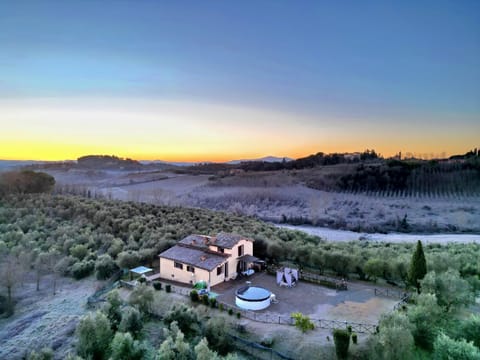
(327, 281)
(393, 294)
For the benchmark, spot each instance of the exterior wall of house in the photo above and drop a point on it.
(167, 268)
(232, 260)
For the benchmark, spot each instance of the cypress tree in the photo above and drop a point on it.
(418, 267)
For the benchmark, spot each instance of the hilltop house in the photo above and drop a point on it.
(213, 259)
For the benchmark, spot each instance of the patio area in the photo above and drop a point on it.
(357, 304)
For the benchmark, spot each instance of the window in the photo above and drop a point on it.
(178, 265)
(219, 270)
(190, 269)
(240, 250)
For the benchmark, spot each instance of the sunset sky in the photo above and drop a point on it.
(204, 80)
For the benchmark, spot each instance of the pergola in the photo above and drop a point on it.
(140, 270)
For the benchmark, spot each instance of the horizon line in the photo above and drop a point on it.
(404, 155)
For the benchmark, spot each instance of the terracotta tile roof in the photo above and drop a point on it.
(223, 240)
(195, 257)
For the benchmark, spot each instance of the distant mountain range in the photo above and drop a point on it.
(101, 161)
(12, 164)
(269, 159)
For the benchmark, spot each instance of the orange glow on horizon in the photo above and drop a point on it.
(61, 152)
(180, 131)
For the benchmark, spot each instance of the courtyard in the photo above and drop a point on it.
(357, 304)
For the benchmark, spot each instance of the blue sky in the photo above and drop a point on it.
(354, 64)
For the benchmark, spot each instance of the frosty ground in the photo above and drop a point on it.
(279, 198)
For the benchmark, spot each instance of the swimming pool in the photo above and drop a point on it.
(252, 298)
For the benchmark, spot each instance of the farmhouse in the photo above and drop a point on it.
(212, 259)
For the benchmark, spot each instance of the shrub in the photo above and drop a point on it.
(194, 295)
(186, 319)
(213, 302)
(128, 259)
(82, 269)
(123, 346)
(79, 251)
(113, 309)
(349, 329)
(64, 266)
(302, 322)
(341, 338)
(220, 307)
(446, 348)
(239, 315)
(94, 334)
(470, 329)
(230, 312)
(105, 267)
(168, 288)
(216, 333)
(131, 321)
(142, 280)
(205, 300)
(354, 338)
(44, 354)
(142, 298)
(157, 285)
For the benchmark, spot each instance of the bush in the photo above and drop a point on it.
(113, 309)
(94, 334)
(230, 312)
(186, 318)
(157, 285)
(82, 269)
(194, 295)
(131, 321)
(446, 348)
(128, 259)
(105, 267)
(216, 333)
(79, 251)
(220, 307)
(168, 288)
(302, 322)
(239, 315)
(205, 300)
(470, 329)
(65, 265)
(341, 338)
(354, 338)
(44, 354)
(349, 329)
(142, 298)
(123, 346)
(142, 280)
(213, 302)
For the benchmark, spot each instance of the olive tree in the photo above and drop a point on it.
(451, 290)
(94, 334)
